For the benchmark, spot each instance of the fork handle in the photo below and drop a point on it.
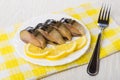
(93, 66)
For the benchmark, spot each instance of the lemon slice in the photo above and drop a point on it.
(81, 42)
(36, 52)
(55, 52)
(61, 51)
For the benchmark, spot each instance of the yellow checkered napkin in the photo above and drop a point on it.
(15, 68)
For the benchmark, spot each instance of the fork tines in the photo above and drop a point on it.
(104, 14)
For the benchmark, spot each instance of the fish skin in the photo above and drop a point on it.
(27, 37)
(53, 31)
(74, 31)
(40, 38)
(46, 35)
(53, 36)
(79, 27)
(63, 31)
(57, 36)
(75, 28)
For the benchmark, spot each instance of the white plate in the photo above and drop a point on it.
(19, 45)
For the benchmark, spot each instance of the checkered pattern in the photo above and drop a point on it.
(12, 67)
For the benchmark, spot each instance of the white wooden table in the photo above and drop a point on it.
(17, 11)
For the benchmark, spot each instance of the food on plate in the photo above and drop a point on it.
(55, 52)
(75, 28)
(36, 52)
(61, 51)
(81, 42)
(60, 27)
(53, 39)
(29, 35)
(40, 38)
(50, 33)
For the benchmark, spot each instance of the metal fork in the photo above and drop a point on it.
(103, 22)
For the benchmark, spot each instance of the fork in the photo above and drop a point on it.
(103, 22)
